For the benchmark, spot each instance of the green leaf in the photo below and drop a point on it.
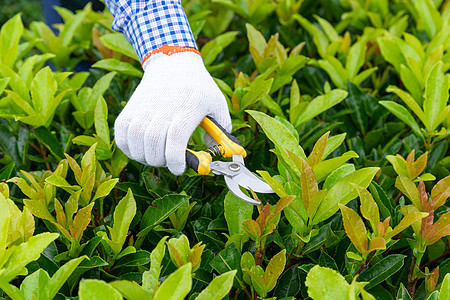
(150, 278)
(10, 35)
(318, 239)
(289, 283)
(34, 285)
(333, 143)
(227, 260)
(409, 219)
(369, 208)
(436, 94)
(382, 270)
(278, 133)
(105, 188)
(179, 250)
(139, 258)
(177, 285)
(335, 70)
(355, 58)
(61, 182)
(320, 104)
(219, 287)
(130, 290)
(274, 269)
(98, 89)
(4, 221)
(50, 142)
(324, 168)
(403, 114)
(325, 283)
(93, 289)
(70, 28)
(101, 120)
(355, 228)
(114, 65)
(123, 215)
(236, 211)
(429, 17)
(118, 42)
(337, 175)
(43, 88)
(59, 278)
(409, 189)
(444, 292)
(257, 42)
(342, 192)
(258, 89)
(213, 48)
(26, 253)
(160, 210)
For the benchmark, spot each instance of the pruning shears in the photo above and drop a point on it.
(235, 173)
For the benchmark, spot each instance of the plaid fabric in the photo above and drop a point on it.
(148, 25)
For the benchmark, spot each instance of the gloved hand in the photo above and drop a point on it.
(174, 95)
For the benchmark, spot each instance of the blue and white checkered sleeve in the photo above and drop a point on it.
(148, 25)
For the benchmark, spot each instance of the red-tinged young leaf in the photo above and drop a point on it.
(354, 227)
(282, 203)
(441, 229)
(318, 151)
(408, 188)
(431, 279)
(60, 215)
(420, 164)
(309, 188)
(377, 243)
(410, 157)
(409, 219)
(369, 208)
(440, 192)
(382, 227)
(274, 269)
(252, 228)
(81, 221)
(423, 197)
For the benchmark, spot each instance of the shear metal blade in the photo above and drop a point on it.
(233, 186)
(249, 181)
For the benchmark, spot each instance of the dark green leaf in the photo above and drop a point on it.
(382, 270)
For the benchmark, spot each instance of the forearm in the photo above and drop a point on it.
(149, 25)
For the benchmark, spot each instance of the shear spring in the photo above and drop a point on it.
(216, 150)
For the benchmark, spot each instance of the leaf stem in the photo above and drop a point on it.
(412, 283)
(366, 263)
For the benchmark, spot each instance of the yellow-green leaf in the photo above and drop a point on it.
(354, 227)
(408, 188)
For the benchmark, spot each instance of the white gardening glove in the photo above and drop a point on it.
(174, 95)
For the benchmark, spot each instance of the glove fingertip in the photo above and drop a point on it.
(177, 169)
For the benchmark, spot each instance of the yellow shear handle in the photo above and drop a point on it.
(199, 161)
(230, 144)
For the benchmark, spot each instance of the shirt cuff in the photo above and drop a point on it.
(156, 24)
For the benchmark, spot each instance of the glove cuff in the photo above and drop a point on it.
(167, 50)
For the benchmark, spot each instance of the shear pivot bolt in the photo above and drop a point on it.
(234, 167)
